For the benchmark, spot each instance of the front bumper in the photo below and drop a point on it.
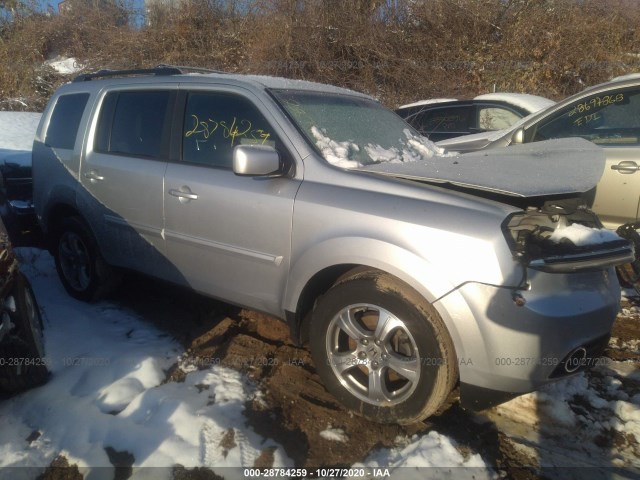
(505, 350)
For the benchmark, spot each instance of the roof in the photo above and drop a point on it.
(169, 73)
(529, 103)
(429, 102)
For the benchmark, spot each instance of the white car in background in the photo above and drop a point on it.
(609, 116)
(443, 118)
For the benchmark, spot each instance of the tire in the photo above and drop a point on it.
(402, 374)
(82, 270)
(23, 364)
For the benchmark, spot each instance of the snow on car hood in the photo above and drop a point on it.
(553, 167)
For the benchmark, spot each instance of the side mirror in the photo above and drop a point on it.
(256, 160)
(518, 137)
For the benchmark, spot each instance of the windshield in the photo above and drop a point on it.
(352, 132)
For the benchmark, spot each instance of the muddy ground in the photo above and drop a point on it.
(295, 407)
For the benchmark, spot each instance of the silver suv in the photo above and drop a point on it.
(407, 272)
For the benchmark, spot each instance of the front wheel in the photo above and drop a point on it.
(381, 349)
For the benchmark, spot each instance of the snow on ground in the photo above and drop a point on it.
(65, 66)
(430, 450)
(107, 390)
(570, 423)
(334, 434)
(17, 131)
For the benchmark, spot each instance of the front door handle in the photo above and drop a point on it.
(626, 167)
(184, 194)
(93, 176)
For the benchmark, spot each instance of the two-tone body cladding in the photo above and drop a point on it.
(272, 194)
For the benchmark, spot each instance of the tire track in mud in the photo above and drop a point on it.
(295, 408)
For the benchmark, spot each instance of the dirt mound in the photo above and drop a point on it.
(295, 410)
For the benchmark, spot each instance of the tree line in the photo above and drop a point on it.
(396, 50)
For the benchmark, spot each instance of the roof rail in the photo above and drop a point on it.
(161, 69)
(184, 69)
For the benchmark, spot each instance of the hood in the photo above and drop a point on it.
(554, 167)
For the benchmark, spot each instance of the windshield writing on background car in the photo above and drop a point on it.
(596, 102)
(352, 132)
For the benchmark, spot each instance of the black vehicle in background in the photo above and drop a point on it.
(16, 187)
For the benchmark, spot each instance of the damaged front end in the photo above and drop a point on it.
(564, 236)
(557, 322)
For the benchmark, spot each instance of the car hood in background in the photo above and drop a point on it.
(554, 167)
(471, 142)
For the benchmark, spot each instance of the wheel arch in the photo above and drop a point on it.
(53, 221)
(319, 267)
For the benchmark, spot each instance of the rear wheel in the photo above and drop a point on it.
(22, 350)
(381, 349)
(82, 270)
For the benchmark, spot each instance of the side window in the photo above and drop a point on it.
(496, 118)
(452, 119)
(65, 120)
(134, 123)
(611, 118)
(214, 123)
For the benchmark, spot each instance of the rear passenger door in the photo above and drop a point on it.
(122, 174)
(229, 236)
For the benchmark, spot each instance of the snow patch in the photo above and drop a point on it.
(336, 153)
(65, 66)
(17, 131)
(431, 450)
(341, 154)
(581, 235)
(334, 435)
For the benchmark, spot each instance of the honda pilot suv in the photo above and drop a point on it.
(409, 273)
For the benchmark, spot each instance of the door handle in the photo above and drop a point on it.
(626, 167)
(184, 194)
(93, 176)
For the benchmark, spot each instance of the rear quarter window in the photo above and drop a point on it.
(134, 123)
(65, 120)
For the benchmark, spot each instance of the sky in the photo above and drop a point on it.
(45, 5)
